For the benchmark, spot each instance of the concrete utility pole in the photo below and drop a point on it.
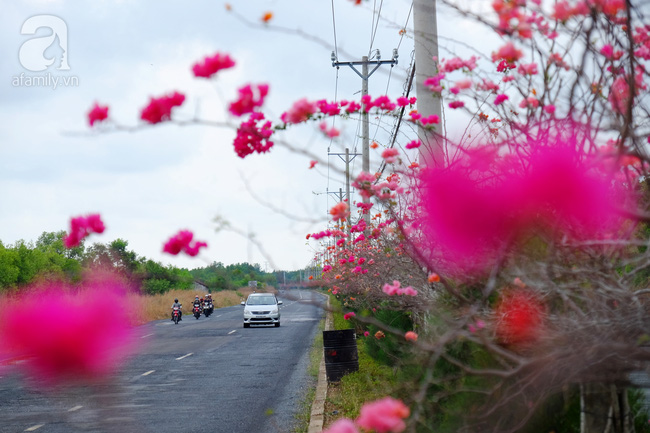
(426, 47)
(348, 158)
(364, 74)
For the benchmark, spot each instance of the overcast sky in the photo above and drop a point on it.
(150, 183)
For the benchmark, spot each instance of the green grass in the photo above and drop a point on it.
(315, 355)
(372, 382)
(339, 321)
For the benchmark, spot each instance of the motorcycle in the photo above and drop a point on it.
(197, 311)
(176, 315)
(208, 309)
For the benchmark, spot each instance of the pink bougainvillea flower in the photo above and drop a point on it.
(253, 136)
(390, 155)
(366, 334)
(550, 109)
(250, 98)
(80, 333)
(488, 86)
(330, 132)
(483, 202)
(343, 425)
(403, 102)
(301, 111)
(456, 104)
(81, 227)
(500, 99)
(383, 416)
(507, 52)
(348, 316)
(312, 163)
(434, 83)
(411, 336)
(434, 119)
(608, 51)
(409, 291)
(457, 63)
(353, 107)
(620, 94)
(396, 289)
(183, 242)
(392, 289)
(519, 317)
(328, 108)
(160, 109)
(463, 84)
(97, 113)
(413, 144)
(527, 69)
(340, 211)
(530, 102)
(212, 64)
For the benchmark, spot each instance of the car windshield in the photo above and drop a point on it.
(261, 300)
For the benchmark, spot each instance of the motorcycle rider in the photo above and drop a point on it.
(208, 299)
(180, 311)
(197, 302)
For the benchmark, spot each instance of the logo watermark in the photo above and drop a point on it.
(45, 52)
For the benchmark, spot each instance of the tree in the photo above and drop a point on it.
(9, 269)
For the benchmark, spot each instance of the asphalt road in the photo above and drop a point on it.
(206, 375)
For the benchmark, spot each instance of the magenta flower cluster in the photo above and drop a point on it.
(253, 137)
(160, 109)
(250, 98)
(81, 227)
(212, 64)
(183, 241)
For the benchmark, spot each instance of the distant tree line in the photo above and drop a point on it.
(23, 263)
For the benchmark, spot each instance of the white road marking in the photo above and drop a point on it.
(73, 409)
(145, 336)
(232, 332)
(148, 373)
(184, 356)
(34, 427)
(219, 315)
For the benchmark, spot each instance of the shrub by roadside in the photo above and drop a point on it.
(372, 382)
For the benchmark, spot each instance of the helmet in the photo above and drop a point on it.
(176, 300)
(197, 296)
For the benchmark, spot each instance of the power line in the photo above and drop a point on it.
(336, 48)
(390, 73)
(375, 24)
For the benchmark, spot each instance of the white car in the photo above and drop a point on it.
(261, 309)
